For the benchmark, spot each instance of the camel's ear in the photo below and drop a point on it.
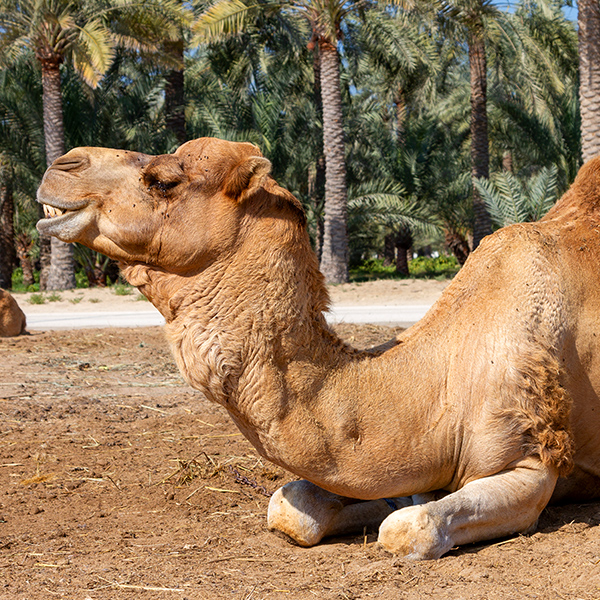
(247, 177)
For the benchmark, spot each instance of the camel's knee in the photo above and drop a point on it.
(415, 533)
(303, 511)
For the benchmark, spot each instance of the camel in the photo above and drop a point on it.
(462, 431)
(12, 319)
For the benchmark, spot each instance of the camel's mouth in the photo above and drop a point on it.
(56, 215)
(50, 212)
(60, 221)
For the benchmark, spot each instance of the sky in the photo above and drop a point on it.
(571, 12)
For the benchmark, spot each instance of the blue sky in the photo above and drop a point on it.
(571, 12)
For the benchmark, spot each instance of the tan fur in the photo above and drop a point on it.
(12, 319)
(486, 401)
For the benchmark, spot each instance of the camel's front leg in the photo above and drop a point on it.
(308, 513)
(502, 504)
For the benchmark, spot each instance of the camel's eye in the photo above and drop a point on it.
(162, 186)
(163, 173)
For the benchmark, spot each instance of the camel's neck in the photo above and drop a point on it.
(249, 331)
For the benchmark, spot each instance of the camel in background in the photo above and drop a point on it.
(462, 431)
(12, 318)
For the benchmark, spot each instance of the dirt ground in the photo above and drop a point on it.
(118, 481)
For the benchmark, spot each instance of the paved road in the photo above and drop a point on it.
(389, 315)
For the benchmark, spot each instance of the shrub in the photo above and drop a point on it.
(37, 299)
(121, 289)
(422, 267)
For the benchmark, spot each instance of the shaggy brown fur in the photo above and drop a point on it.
(485, 401)
(12, 318)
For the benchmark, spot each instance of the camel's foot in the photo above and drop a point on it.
(303, 511)
(307, 513)
(495, 506)
(415, 533)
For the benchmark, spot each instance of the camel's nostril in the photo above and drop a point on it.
(68, 162)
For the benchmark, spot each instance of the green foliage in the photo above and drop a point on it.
(37, 299)
(81, 279)
(511, 200)
(19, 286)
(441, 267)
(405, 88)
(372, 269)
(86, 32)
(121, 289)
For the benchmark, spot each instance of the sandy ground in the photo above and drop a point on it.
(382, 292)
(118, 481)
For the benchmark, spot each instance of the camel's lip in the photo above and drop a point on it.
(54, 217)
(54, 208)
(57, 213)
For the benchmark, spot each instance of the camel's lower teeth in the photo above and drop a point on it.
(52, 211)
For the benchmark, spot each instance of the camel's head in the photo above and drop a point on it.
(176, 211)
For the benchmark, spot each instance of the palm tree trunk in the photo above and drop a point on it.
(174, 93)
(24, 245)
(403, 242)
(389, 250)
(316, 181)
(400, 103)
(458, 245)
(8, 255)
(334, 258)
(480, 158)
(588, 19)
(61, 274)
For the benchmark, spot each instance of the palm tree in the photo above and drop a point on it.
(51, 30)
(534, 116)
(325, 20)
(470, 16)
(397, 61)
(378, 207)
(22, 159)
(480, 157)
(8, 255)
(57, 30)
(588, 20)
(393, 70)
(530, 52)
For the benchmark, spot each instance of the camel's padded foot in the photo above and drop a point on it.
(307, 513)
(503, 504)
(303, 511)
(414, 533)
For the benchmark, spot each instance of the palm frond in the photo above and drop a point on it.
(94, 53)
(511, 201)
(224, 18)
